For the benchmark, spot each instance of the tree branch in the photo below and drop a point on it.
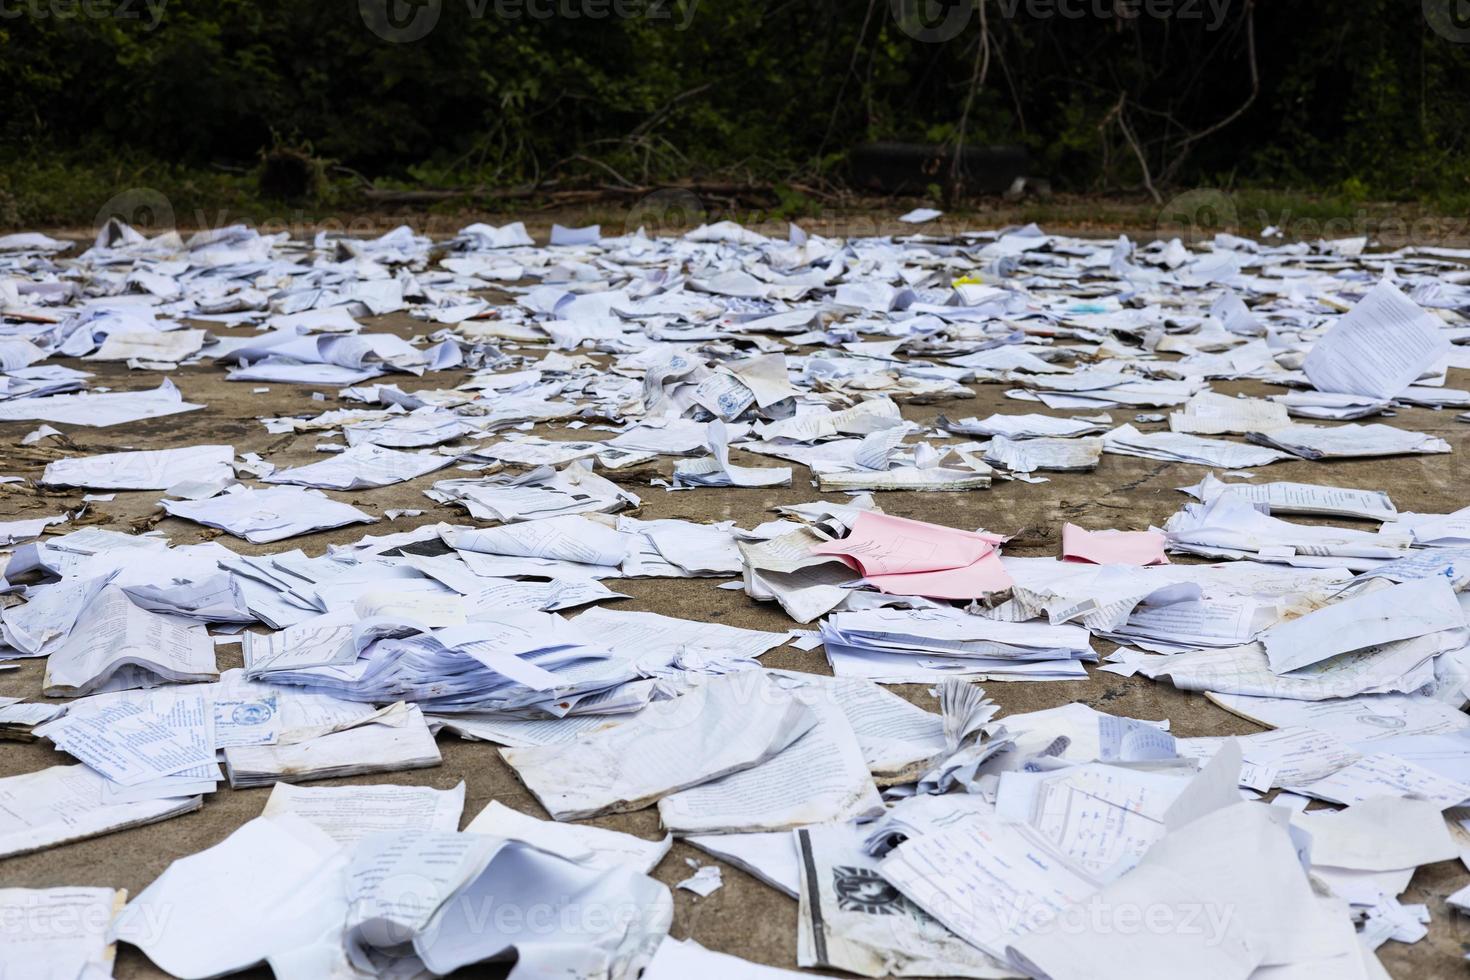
(977, 80)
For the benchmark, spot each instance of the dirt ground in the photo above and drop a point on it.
(745, 917)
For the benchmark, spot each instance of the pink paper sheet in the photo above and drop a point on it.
(903, 557)
(973, 581)
(1112, 547)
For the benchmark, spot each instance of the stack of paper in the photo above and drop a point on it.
(542, 492)
(362, 466)
(1020, 427)
(122, 645)
(1344, 441)
(146, 470)
(1054, 455)
(891, 646)
(261, 516)
(726, 725)
(1301, 498)
(67, 803)
(389, 740)
(1179, 448)
(1230, 527)
(1210, 414)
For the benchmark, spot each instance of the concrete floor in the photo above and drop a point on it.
(745, 917)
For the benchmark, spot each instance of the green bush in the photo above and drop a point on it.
(1364, 98)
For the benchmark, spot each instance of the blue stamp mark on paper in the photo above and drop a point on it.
(252, 713)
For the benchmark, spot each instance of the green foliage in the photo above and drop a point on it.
(792, 204)
(1370, 102)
